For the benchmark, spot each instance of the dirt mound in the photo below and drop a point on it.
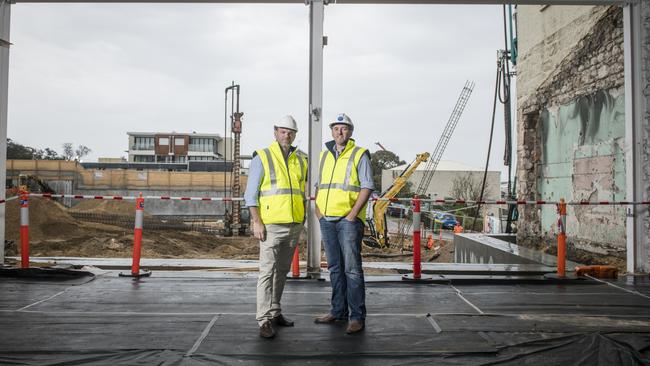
(47, 219)
(54, 232)
(117, 207)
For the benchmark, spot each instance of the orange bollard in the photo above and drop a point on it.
(417, 260)
(137, 240)
(24, 229)
(295, 264)
(561, 239)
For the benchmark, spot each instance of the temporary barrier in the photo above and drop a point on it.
(430, 241)
(561, 239)
(136, 272)
(598, 271)
(295, 264)
(446, 201)
(417, 263)
(137, 241)
(24, 229)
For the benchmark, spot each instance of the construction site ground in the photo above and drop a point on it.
(53, 232)
(208, 318)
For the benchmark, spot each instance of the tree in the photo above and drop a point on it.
(82, 151)
(465, 187)
(70, 153)
(382, 160)
(19, 151)
(49, 154)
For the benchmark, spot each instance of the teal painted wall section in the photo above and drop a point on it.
(583, 159)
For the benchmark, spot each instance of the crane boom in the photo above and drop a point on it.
(432, 164)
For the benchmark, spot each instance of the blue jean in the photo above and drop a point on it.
(342, 241)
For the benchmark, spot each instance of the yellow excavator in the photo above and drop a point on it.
(378, 237)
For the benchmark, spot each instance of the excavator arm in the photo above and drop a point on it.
(378, 229)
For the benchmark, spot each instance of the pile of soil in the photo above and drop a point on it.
(47, 219)
(116, 207)
(53, 232)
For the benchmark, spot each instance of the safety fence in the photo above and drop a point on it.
(416, 228)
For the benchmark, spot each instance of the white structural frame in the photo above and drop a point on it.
(638, 244)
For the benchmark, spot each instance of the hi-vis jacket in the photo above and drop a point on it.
(282, 189)
(338, 185)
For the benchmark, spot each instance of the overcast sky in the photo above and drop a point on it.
(87, 74)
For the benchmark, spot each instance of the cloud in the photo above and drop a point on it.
(88, 73)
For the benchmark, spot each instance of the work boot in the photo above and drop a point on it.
(282, 321)
(354, 326)
(326, 319)
(266, 330)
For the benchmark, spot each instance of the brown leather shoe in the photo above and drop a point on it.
(266, 330)
(282, 321)
(326, 319)
(354, 326)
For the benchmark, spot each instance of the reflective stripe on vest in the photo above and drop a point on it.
(281, 191)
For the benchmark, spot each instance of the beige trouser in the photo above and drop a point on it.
(276, 253)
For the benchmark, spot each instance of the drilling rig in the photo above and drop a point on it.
(235, 131)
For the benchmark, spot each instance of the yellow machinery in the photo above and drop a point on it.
(377, 224)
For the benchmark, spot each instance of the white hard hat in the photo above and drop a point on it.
(342, 119)
(287, 122)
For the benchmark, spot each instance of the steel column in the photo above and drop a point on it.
(638, 243)
(5, 17)
(316, 14)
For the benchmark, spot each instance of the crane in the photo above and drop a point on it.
(432, 164)
(377, 224)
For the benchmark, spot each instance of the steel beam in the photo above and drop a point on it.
(369, 2)
(5, 17)
(316, 17)
(638, 243)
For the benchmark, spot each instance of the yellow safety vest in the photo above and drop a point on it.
(339, 186)
(282, 189)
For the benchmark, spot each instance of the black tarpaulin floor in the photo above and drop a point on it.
(206, 318)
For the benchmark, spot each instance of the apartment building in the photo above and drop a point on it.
(175, 147)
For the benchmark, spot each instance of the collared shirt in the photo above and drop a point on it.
(255, 175)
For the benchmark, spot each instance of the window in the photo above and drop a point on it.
(201, 158)
(143, 158)
(163, 141)
(202, 144)
(179, 141)
(142, 143)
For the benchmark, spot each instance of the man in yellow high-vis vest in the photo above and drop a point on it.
(345, 184)
(275, 196)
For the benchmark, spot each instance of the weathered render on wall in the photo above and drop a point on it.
(571, 124)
